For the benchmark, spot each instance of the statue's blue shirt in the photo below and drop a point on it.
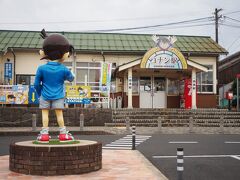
(49, 80)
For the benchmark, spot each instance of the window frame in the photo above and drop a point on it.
(210, 66)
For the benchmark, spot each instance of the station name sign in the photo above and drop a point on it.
(164, 56)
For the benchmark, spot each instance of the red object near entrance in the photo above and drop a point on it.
(229, 95)
(188, 93)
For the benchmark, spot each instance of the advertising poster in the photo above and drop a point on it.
(78, 94)
(15, 94)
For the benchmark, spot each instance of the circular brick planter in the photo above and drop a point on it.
(37, 159)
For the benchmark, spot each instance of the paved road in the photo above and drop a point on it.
(199, 167)
(213, 157)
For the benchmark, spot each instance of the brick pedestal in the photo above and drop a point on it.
(28, 158)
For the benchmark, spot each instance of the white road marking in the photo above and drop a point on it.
(232, 142)
(182, 142)
(236, 157)
(105, 147)
(139, 136)
(198, 156)
(126, 142)
(121, 145)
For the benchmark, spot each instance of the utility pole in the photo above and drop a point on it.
(217, 17)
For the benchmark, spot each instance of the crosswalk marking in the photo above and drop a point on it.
(126, 142)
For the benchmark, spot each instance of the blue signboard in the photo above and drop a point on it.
(8, 70)
(32, 95)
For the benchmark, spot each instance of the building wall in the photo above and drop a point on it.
(135, 101)
(118, 59)
(229, 74)
(173, 101)
(206, 101)
(27, 62)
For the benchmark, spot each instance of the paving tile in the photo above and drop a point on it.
(117, 165)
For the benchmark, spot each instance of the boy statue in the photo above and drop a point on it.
(49, 83)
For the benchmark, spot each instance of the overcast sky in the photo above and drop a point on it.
(92, 15)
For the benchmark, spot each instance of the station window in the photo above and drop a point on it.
(205, 81)
(173, 87)
(25, 79)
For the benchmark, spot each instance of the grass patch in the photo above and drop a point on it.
(56, 142)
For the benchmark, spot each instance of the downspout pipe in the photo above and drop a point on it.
(14, 66)
(103, 56)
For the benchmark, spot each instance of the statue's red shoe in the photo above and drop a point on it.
(43, 138)
(65, 137)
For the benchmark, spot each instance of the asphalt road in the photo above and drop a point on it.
(206, 157)
(203, 163)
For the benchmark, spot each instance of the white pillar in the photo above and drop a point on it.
(129, 89)
(194, 89)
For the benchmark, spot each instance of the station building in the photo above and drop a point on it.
(143, 74)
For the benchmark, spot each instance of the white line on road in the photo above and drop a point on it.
(140, 136)
(110, 147)
(236, 157)
(232, 142)
(126, 140)
(198, 156)
(120, 145)
(124, 143)
(182, 142)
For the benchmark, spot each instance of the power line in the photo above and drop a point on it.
(230, 25)
(175, 27)
(233, 42)
(236, 20)
(233, 12)
(83, 21)
(152, 26)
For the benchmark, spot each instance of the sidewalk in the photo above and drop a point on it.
(117, 164)
(98, 130)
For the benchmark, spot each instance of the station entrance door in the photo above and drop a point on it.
(153, 92)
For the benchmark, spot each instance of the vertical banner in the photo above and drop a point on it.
(32, 95)
(78, 94)
(188, 93)
(8, 72)
(105, 79)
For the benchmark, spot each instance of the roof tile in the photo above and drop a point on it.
(108, 42)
